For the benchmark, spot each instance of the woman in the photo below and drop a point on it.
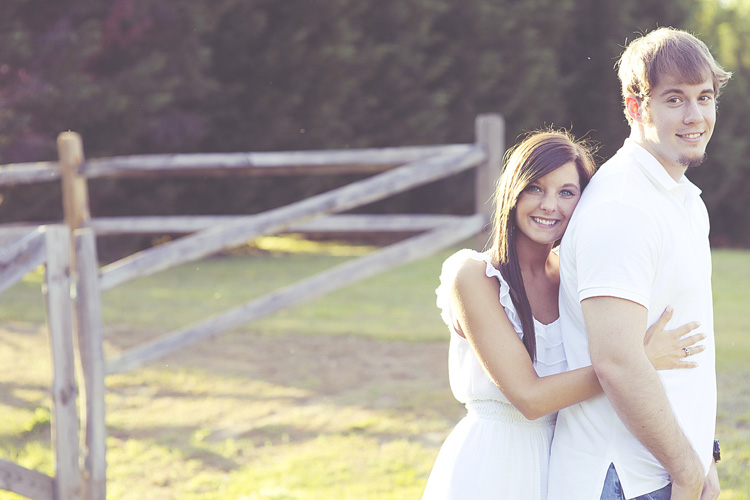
(507, 362)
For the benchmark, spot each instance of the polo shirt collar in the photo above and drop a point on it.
(651, 167)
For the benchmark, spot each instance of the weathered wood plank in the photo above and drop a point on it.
(90, 341)
(28, 173)
(257, 163)
(232, 234)
(65, 423)
(332, 223)
(21, 251)
(265, 163)
(490, 135)
(74, 188)
(25, 482)
(16, 241)
(409, 250)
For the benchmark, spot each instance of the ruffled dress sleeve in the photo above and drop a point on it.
(468, 379)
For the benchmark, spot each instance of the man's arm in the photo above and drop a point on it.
(616, 328)
(711, 489)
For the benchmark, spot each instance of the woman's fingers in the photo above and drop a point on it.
(690, 340)
(672, 349)
(685, 329)
(660, 323)
(682, 363)
(695, 350)
(689, 348)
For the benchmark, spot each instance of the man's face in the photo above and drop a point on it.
(678, 123)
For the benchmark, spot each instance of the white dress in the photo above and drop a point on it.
(494, 452)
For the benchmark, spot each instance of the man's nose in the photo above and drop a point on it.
(692, 113)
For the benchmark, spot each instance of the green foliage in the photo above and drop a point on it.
(379, 74)
(146, 76)
(128, 74)
(725, 178)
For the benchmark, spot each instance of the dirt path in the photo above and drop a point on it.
(339, 364)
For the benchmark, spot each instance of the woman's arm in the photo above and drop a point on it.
(481, 319)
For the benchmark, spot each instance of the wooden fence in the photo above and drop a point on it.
(21, 251)
(394, 170)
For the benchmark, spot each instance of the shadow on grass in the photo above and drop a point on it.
(180, 438)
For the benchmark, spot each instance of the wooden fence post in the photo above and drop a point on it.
(490, 135)
(87, 318)
(65, 423)
(74, 188)
(90, 338)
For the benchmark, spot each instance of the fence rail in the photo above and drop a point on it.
(325, 224)
(26, 482)
(307, 289)
(263, 163)
(345, 161)
(231, 234)
(29, 173)
(21, 251)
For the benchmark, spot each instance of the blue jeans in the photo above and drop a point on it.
(613, 490)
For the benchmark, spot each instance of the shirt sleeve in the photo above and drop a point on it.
(617, 253)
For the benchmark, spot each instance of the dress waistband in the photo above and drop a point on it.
(499, 410)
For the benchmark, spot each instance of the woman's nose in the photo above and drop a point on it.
(549, 203)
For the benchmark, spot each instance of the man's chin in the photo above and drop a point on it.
(692, 161)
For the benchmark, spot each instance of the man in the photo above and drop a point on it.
(637, 243)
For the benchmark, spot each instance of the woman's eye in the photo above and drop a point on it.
(532, 189)
(567, 193)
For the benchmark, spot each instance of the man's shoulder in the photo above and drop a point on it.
(618, 201)
(618, 180)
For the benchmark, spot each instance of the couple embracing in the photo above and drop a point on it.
(587, 369)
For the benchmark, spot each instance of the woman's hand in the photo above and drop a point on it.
(664, 348)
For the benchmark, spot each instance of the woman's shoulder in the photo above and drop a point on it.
(467, 261)
(468, 267)
(468, 274)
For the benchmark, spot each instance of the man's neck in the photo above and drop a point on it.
(675, 169)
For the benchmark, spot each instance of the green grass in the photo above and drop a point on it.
(344, 397)
(731, 291)
(190, 293)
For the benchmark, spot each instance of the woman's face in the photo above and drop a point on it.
(544, 208)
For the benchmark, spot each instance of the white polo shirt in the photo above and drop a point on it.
(638, 235)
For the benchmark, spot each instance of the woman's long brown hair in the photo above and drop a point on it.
(535, 156)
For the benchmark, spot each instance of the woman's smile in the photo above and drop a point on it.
(544, 207)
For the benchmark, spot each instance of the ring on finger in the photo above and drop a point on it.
(687, 351)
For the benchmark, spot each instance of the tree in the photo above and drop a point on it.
(129, 75)
(341, 73)
(725, 177)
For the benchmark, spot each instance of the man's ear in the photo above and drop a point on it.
(634, 108)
